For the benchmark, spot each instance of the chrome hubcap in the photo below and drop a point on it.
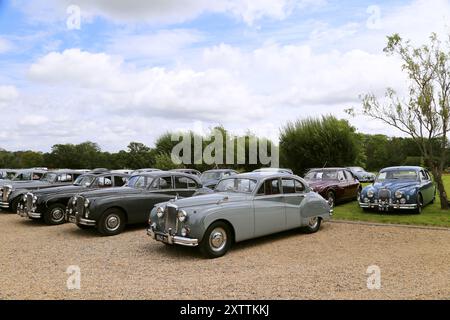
(218, 239)
(57, 214)
(313, 222)
(112, 222)
(331, 201)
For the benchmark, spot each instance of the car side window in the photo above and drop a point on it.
(349, 176)
(423, 176)
(299, 187)
(428, 175)
(121, 181)
(288, 186)
(180, 182)
(104, 182)
(163, 183)
(37, 176)
(191, 184)
(272, 187)
(341, 176)
(64, 178)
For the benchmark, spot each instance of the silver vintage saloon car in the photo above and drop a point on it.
(242, 207)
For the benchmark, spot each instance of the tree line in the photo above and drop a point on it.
(304, 144)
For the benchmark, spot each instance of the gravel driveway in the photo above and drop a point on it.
(331, 264)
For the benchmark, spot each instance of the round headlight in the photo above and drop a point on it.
(370, 193)
(86, 203)
(403, 201)
(182, 215)
(398, 194)
(74, 201)
(34, 199)
(160, 212)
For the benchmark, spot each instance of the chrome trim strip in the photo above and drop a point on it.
(392, 206)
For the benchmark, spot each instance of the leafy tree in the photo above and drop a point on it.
(425, 115)
(318, 142)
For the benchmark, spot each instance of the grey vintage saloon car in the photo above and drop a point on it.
(242, 207)
(12, 193)
(110, 210)
(50, 204)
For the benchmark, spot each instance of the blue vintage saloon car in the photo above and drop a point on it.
(399, 188)
(242, 207)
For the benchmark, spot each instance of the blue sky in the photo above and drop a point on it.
(136, 68)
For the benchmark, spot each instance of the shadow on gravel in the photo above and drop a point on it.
(93, 233)
(194, 253)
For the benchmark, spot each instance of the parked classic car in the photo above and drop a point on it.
(25, 175)
(362, 175)
(12, 193)
(243, 207)
(7, 174)
(211, 178)
(279, 170)
(334, 184)
(188, 171)
(50, 204)
(399, 188)
(110, 210)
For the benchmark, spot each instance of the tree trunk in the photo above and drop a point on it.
(437, 173)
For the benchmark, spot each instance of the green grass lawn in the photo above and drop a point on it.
(431, 215)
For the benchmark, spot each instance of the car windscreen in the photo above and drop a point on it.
(397, 175)
(211, 176)
(357, 169)
(322, 175)
(49, 177)
(84, 181)
(236, 185)
(137, 182)
(22, 176)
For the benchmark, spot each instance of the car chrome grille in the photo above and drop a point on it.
(5, 194)
(29, 202)
(384, 194)
(171, 219)
(79, 207)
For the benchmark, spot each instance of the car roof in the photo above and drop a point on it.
(263, 175)
(220, 170)
(328, 169)
(415, 168)
(31, 170)
(156, 174)
(64, 171)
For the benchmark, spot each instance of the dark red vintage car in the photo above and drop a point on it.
(334, 184)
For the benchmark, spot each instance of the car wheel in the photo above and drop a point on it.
(216, 241)
(111, 223)
(331, 198)
(55, 214)
(418, 210)
(313, 225)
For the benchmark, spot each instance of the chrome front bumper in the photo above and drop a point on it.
(4, 205)
(78, 220)
(170, 239)
(387, 206)
(26, 214)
